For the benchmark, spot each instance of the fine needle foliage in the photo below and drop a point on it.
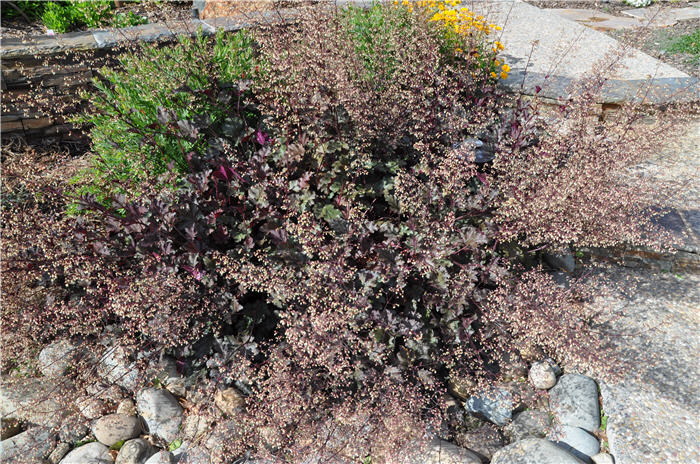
(338, 217)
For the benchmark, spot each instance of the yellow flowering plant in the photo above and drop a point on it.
(466, 35)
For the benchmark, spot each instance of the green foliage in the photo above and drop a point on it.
(603, 421)
(65, 16)
(118, 445)
(142, 109)
(175, 444)
(33, 9)
(57, 17)
(90, 13)
(370, 31)
(689, 43)
(128, 19)
(80, 443)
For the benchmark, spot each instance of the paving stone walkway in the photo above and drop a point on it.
(656, 16)
(654, 412)
(654, 409)
(555, 45)
(556, 51)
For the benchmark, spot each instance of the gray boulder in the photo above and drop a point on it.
(561, 261)
(30, 446)
(90, 453)
(58, 453)
(576, 441)
(90, 407)
(192, 455)
(574, 400)
(555, 367)
(532, 423)
(115, 367)
(73, 429)
(602, 458)
(161, 411)
(495, 405)
(161, 457)
(55, 359)
(114, 428)
(444, 452)
(136, 451)
(534, 451)
(127, 407)
(484, 440)
(35, 401)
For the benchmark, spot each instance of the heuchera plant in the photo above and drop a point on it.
(355, 229)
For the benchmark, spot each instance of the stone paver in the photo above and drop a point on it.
(596, 19)
(679, 162)
(659, 14)
(656, 16)
(557, 46)
(654, 409)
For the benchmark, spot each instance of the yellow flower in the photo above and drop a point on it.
(504, 75)
(494, 75)
(505, 68)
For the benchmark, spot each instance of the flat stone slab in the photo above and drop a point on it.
(558, 51)
(654, 409)
(46, 44)
(597, 19)
(658, 14)
(561, 47)
(533, 451)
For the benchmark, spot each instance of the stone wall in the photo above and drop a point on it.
(42, 77)
(40, 93)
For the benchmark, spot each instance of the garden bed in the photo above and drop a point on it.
(335, 239)
(129, 13)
